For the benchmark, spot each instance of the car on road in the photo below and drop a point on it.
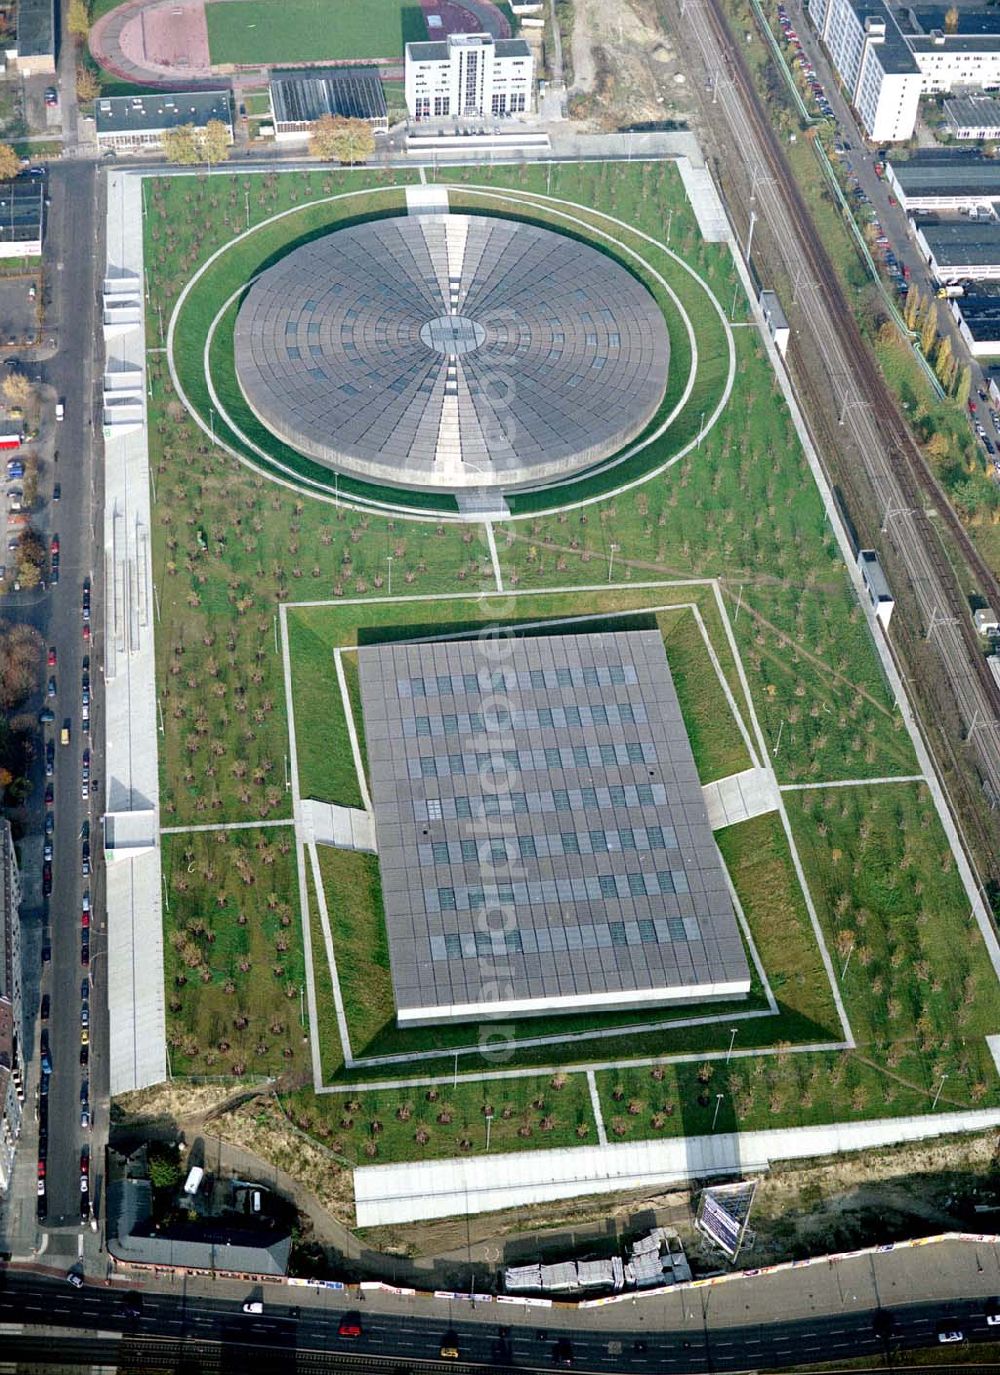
(85, 694)
(85, 766)
(350, 1325)
(51, 687)
(86, 633)
(74, 1278)
(85, 1014)
(46, 716)
(50, 823)
(50, 794)
(132, 1305)
(52, 656)
(85, 952)
(64, 734)
(54, 575)
(46, 1004)
(562, 1353)
(85, 1036)
(85, 858)
(84, 919)
(46, 878)
(46, 953)
(51, 97)
(86, 899)
(43, 1209)
(50, 758)
(86, 599)
(84, 1056)
(57, 491)
(993, 1314)
(254, 1306)
(47, 848)
(54, 545)
(449, 1346)
(948, 1334)
(85, 1119)
(46, 1052)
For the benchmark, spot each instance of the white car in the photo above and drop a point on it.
(948, 1335)
(256, 1307)
(993, 1317)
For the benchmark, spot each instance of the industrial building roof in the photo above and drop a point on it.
(438, 52)
(123, 114)
(972, 112)
(927, 18)
(299, 97)
(35, 28)
(950, 175)
(960, 242)
(22, 209)
(981, 313)
(541, 815)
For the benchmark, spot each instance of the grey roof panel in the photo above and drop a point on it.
(451, 350)
(547, 828)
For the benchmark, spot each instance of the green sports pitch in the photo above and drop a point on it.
(251, 32)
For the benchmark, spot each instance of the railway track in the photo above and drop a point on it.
(897, 475)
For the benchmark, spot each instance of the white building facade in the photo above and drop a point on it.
(886, 69)
(469, 75)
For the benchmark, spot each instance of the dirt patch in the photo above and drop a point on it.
(170, 1103)
(624, 66)
(853, 1201)
(170, 37)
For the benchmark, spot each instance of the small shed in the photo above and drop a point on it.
(985, 621)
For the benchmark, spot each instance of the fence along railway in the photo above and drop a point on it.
(898, 476)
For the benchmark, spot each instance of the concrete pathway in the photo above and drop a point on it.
(343, 828)
(226, 826)
(740, 797)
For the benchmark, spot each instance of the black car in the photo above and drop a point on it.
(50, 758)
(50, 823)
(132, 1305)
(84, 1056)
(562, 1353)
(85, 858)
(45, 1007)
(50, 794)
(46, 953)
(57, 491)
(46, 879)
(46, 716)
(43, 1208)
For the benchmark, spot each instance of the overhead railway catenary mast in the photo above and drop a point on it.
(892, 461)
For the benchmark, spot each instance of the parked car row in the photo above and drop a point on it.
(800, 59)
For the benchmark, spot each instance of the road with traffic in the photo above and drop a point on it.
(514, 1338)
(53, 1138)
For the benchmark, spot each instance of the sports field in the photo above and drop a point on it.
(245, 32)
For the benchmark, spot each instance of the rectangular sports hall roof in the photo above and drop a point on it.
(543, 839)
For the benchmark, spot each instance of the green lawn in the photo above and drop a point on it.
(248, 32)
(920, 991)
(426, 1124)
(233, 953)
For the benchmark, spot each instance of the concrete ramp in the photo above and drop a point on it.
(345, 828)
(739, 797)
(705, 202)
(426, 200)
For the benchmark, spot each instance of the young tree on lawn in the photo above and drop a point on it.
(88, 87)
(77, 19)
(180, 146)
(335, 139)
(10, 163)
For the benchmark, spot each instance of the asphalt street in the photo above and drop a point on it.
(70, 264)
(517, 1343)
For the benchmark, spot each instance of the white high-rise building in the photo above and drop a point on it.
(888, 58)
(469, 74)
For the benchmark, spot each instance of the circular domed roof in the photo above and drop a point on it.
(451, 351)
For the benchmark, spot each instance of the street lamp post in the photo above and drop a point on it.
(489, 1123)
(732, 1042)
(718, 1105)
(389, 562)
(611, 559)
(938, 1094)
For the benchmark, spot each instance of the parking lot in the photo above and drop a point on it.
(20, 312)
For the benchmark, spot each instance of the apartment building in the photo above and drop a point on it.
(469, 75)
